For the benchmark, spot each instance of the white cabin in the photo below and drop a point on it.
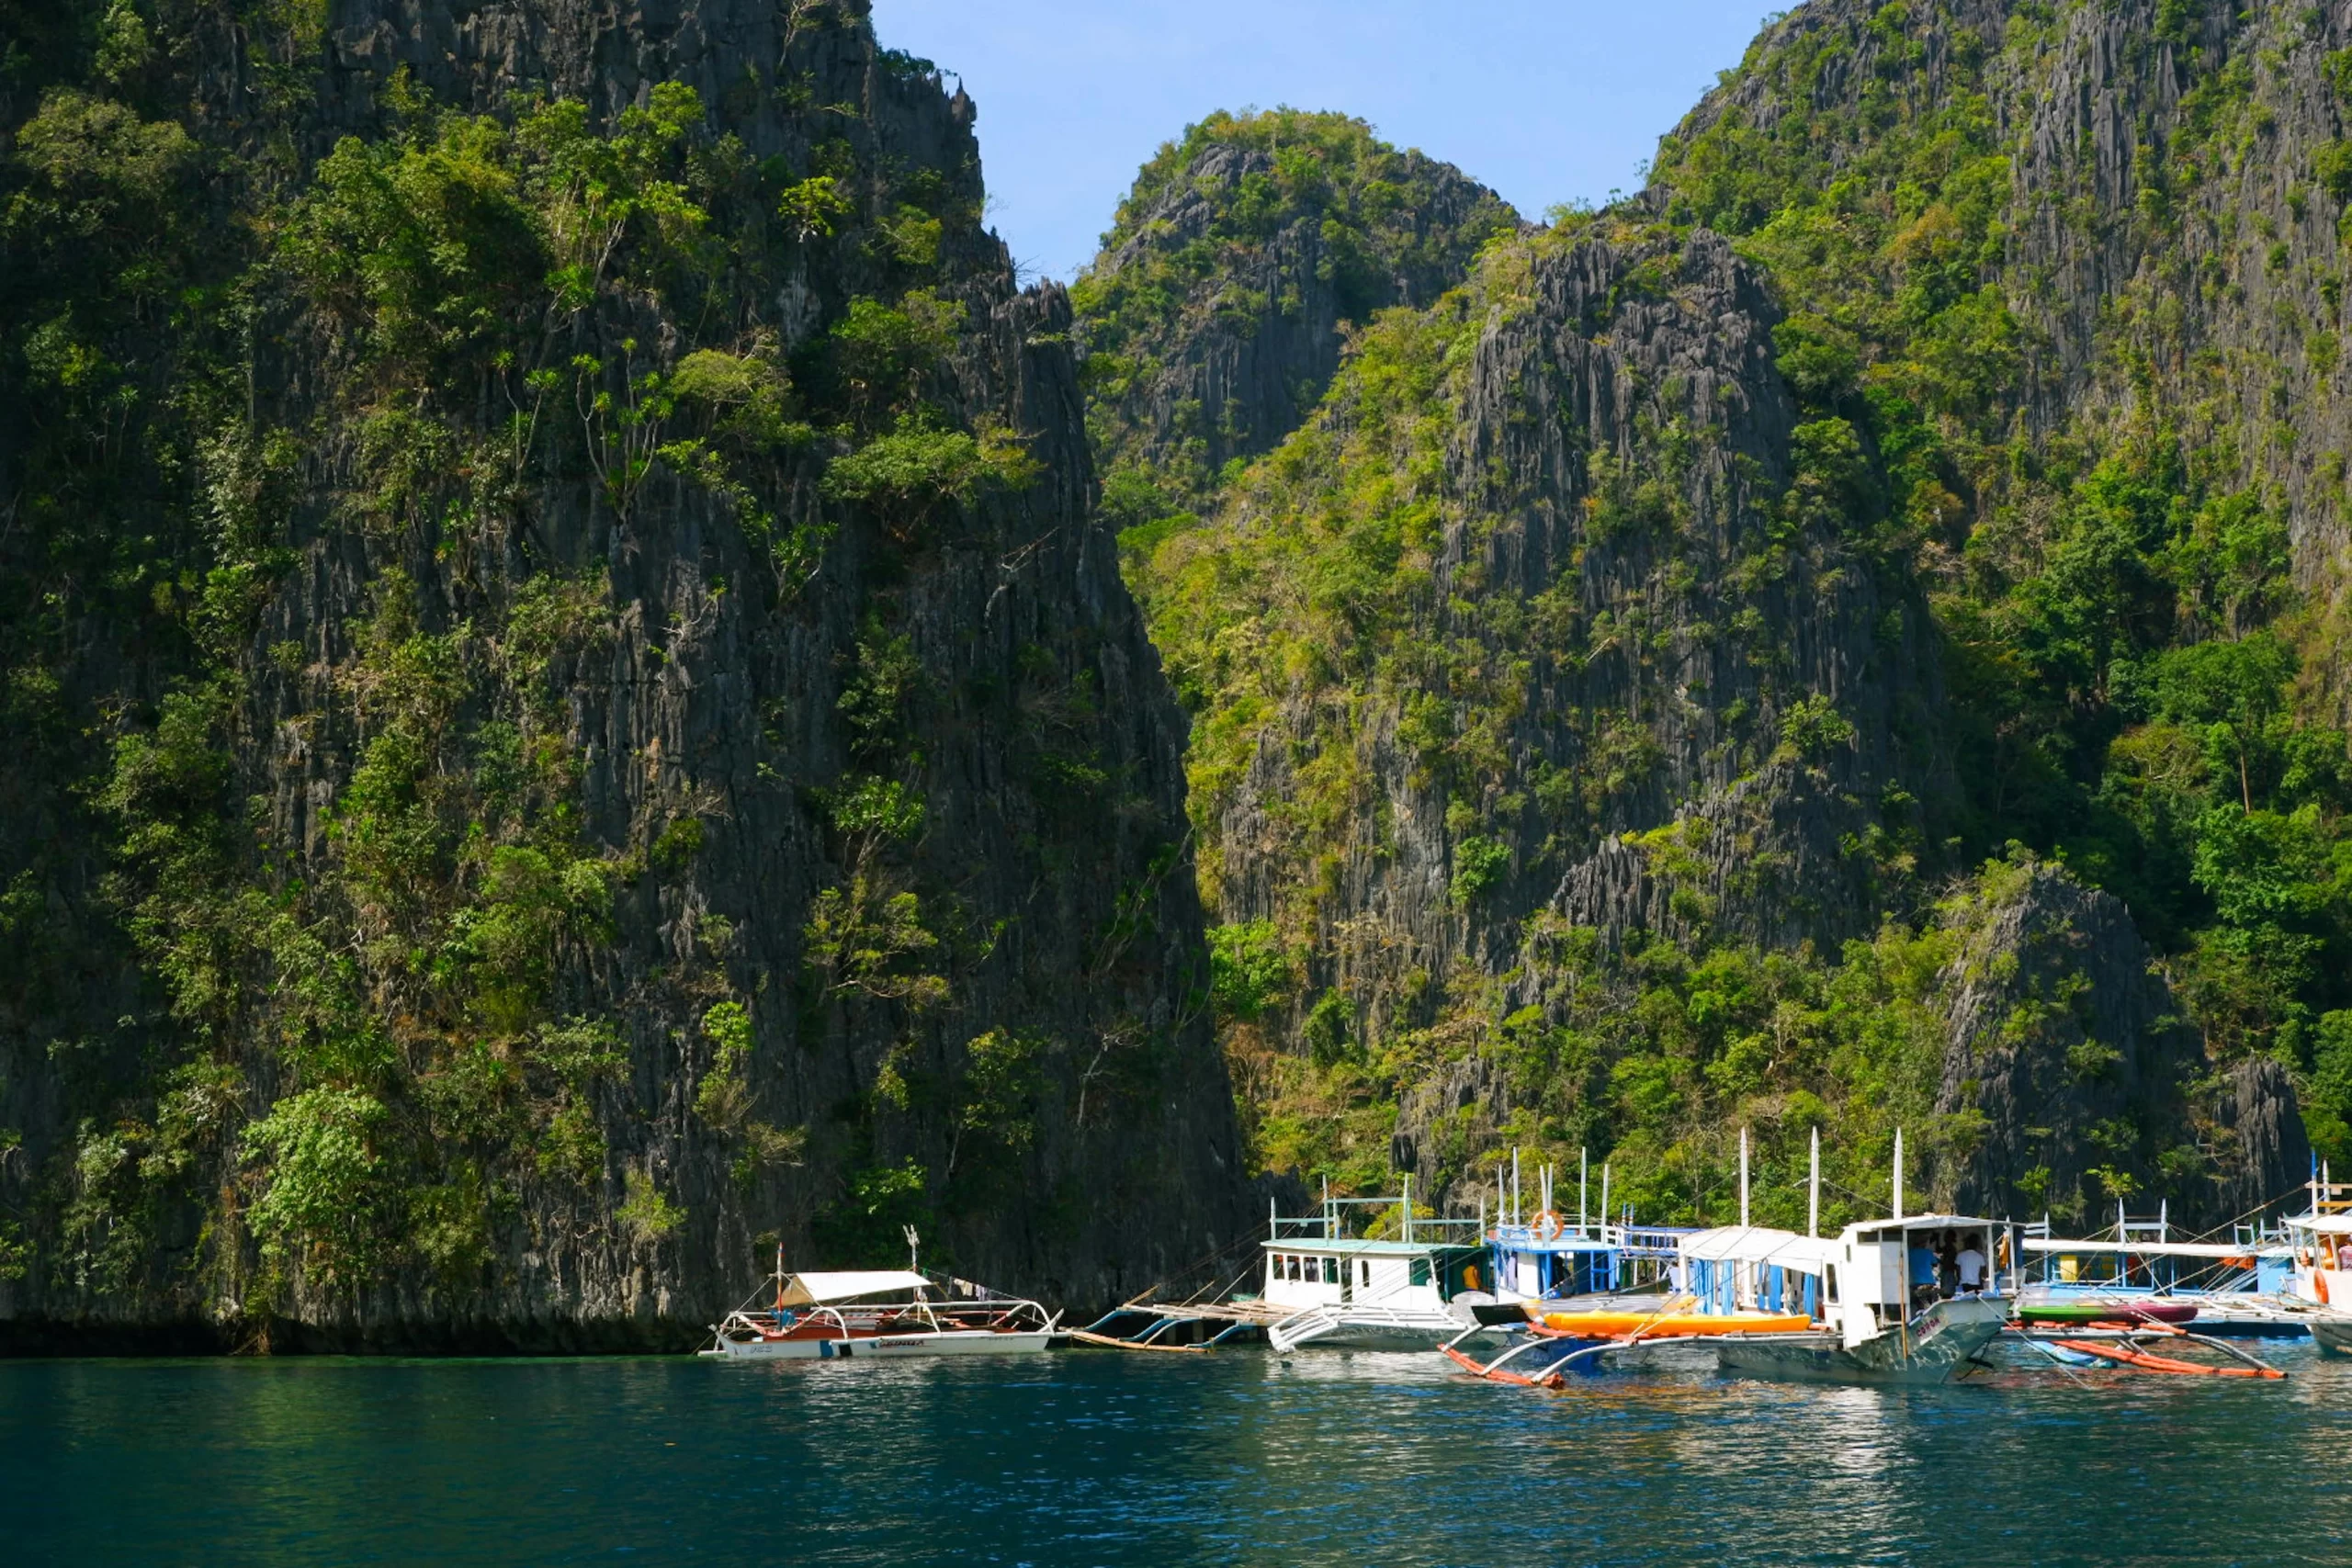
(2322, 1239)
(1875, 1284)
(1304, 1272)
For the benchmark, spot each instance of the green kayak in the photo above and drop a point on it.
(2108, 1312)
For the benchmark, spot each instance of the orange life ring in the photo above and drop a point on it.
(1558, 1227)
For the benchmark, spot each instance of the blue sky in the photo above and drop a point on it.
(1545, 100)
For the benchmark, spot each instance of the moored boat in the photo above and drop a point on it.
(1873, 1318)
(2332, 1331)
(2319, 1242)
(879, 1315)
(1910, 1299)
(2240, 1289)
(1396, 1292)
(1871, 1305)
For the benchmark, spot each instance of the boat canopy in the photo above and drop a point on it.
(817, 1290)
(1879, 1229)
(2325, 1224)
(2147, 1248)
(1356, 1247)
(1761, 1244)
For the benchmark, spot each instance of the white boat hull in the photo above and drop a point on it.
(2333, 1331)
(1337, 1328)
(883, 1347)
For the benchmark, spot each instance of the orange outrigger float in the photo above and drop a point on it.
(1595, 1332)
(2124, 1349)
(2131, 1356)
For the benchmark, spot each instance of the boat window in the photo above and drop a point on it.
(1330, 1271)
(1829, 1282)
(1420, 1272)
(1365, 1277)
(1294, 1266)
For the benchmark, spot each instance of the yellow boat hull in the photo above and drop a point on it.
(1679, 1324)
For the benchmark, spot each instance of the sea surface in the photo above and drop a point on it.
(1104, 1456)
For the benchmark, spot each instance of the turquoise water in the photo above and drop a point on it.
(1109, 1458)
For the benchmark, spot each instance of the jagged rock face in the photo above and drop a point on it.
(1035, 1053)
(2155, 223)
(2172, 232)
(2066, 1041)
(1241, 354)
(1620, 455)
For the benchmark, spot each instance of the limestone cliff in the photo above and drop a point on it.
(1214, 316)
(1605, 700)
(639, 754)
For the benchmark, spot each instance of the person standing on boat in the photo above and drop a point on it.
(1923, 1271)
(1971, 1267)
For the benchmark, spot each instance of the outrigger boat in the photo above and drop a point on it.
(1443, 1279)
(1773, 1303)
(1874, 1319)
(878, 1314)
(1547, 1258)
(2319, 1242)
(2241, 1288)
(1371, 1292)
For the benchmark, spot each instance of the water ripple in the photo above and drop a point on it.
(1100, 1458)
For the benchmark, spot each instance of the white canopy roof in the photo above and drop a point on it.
(1762, 1244)
(1923, 1222)
(816, 1290)
(2147, 1249)
(2325, 1224)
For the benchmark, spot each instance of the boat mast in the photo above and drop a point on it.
(1408, 1208)
(1813, 1191)
(1898, 1173)
(1604, 1200)
(1584, 1175)
(1743, 1179)
(1514, 1185)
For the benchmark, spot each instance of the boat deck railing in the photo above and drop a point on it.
(1331, 1224)
(2331, 1197)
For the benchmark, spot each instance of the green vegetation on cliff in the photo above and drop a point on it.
(485, 655)
(1247, 245)
(1509, 766)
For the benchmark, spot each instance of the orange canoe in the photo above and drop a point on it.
(1672, 1325)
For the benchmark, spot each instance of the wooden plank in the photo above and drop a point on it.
(1107, 1342)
